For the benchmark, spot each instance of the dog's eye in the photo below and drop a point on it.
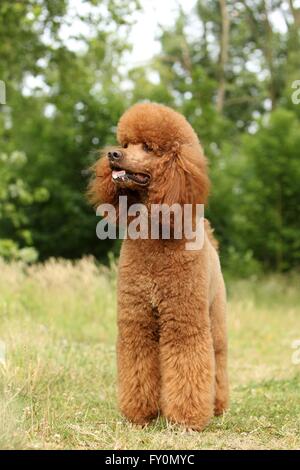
(125, 146)
(146, 148)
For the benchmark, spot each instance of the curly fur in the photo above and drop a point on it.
(172, 345)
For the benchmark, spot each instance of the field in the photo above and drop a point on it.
(58, 373)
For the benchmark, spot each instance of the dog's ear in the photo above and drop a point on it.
(194, 164)
(181, 177)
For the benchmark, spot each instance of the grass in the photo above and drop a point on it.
(58, 379)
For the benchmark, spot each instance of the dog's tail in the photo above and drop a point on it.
(210, 233)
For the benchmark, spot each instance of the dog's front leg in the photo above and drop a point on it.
(187, 364)
(138, 359)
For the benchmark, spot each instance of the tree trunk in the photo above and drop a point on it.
(224, 45)
(268, 52)
(296, 13)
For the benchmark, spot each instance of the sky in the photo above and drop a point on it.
(143, 34)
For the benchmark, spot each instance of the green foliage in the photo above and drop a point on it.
(272, 192)
(65, 96)
(15, 199)
(61, 121)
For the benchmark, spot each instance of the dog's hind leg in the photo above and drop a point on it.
(219, 334)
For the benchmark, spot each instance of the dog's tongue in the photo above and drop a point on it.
(118, 173)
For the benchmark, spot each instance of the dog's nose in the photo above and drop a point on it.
(115, 155)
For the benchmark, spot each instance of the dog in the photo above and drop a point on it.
(172, 339)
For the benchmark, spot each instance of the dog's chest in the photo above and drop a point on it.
(159, 270)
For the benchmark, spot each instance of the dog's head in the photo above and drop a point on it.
(158, 160)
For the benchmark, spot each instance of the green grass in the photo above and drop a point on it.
(58, 382)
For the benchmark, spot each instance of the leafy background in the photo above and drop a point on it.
(225, 66)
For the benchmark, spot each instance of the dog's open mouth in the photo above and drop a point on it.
(119, 175)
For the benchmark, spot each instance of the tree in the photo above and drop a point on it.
(270, 201)
(62, 120)
(15, 197)
(224, 44)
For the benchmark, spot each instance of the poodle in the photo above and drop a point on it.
(172, 341)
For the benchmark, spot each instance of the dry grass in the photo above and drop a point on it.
(57, 384)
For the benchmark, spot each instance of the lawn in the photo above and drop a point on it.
(58, 372)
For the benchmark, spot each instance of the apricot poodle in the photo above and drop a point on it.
(172, 342)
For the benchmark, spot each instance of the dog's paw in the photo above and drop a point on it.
(220, 407)
(138, 418)
(188, 422)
